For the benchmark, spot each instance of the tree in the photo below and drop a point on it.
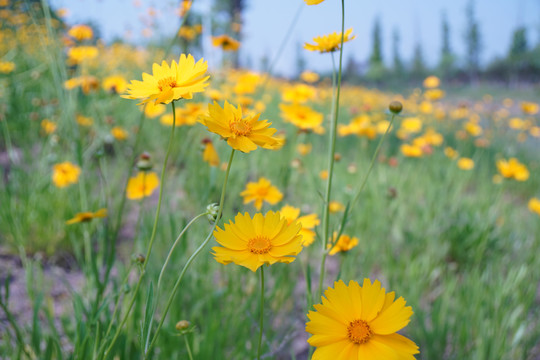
(473, 43)
(376, 67)
(519, 45)
(399, 69)
(448, 59)
(418, 70)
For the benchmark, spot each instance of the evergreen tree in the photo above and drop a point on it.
(376, 67)
(473, 43)
(519, 45)
(300, 59)
(418, 70)
(399, 69)
(447, 61)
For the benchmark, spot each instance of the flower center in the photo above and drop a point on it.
(167, 83)
(359, 332)
(259, 245)
(85, 217)
(240, 127)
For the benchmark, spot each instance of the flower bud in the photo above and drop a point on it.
(182, 325)
(139, 259)
(395, 107)
(212, 210)
(145, 162)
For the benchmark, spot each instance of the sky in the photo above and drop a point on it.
(267, 24)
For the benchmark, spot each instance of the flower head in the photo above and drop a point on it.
(115, 83)
(65, 174)
(265, 239)
(210, 154)
(260, 191)
(534, 205)
(513, 169)
(313, 2)
(81, 32)
(225, 42)
(87, 216)
(465, 163)
(330, 42)
(242, 133)
(360, 322)
(169, 83)
(119, 133)
(142, 185)
(343, 244)
(308, 222)
(303, 117)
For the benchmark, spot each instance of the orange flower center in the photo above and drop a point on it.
(359, 332)
(259, 245)
(240, 127)
(167, 83)
(262, 191)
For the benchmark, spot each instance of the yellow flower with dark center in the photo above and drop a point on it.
(303, 117)
(65, 174)
(530, 108)
(265, 239)
(465, 163)
(87, 216)
(360, 322)
(513, 169)
(308, 222)
(241, 133)
(142, 185)
(330, 42)
(86, 82)
(119, 133)
(169, 83)
(260, 191)
(210, 154)
(534, 205)
(225, 42)
(343, 244)
(81, 32)
(115, 83)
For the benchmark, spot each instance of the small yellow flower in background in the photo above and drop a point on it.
(336, 206)
(323, 174)
(210, 154)
(529, 108)
(152, 110)
(534, 205)
(260, 191)
(465, 163)
(265, 239)
(300, 93)
(187, 32)
(360, 322)
(6, 67)
(65, 174)
(434, 94)
(516, 123)
(78, 54)
(225, 42)
(411, 125)
(81, 32)
(343, 244)
(308, 222)
(48, 126)
(184, 7)
(473, 128)
(304, 149)
(86, 82)
(313, 2)
(513, 169)
(303, 117)
(115, 84)
(450, 153)
(431, 82)
(119, 133)
(411, 150)
(169, 83)
(309, 76)
(84, 120)
(330, 42)
(497, 179)
(142, 185)
(87, 216)
(243, 134)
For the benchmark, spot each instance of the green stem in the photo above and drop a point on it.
(152, 237)
(188, 347)
(193, 256)
(331, 152)
(261, 315)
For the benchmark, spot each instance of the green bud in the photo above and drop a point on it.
(395, 107)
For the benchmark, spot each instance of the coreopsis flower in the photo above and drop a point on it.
(210, 154)
(187, 32)
(513, 169)
(260, 191)
(87, 216)
(81, 32)
(84, 121)
(431, 82)
(530, 108)
(184, 7)
(308, 222)
(309, 77)
(48, 126)
(304, 149)
(142, 185)
(153, 110)
(360, 322)
(465, 163)
(169, 83)
(86, 82)
(115, 83)
(330, 42)
(343, 244)
(473, 128)
(313, 2)
(411, 150)
(411, 125)
(434, 94)
(241, 133)
(534, 205)
(119, 133)
(6, 67)
(78, 54)
(450, 153)
(299, 93)
(303, 117)
(335, 207)
(65, 174)
(265, 239)
(225, 42)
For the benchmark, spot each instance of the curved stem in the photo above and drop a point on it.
(188, 347)
(261, 316)
(192, 257)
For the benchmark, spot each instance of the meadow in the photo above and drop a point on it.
(120, 190)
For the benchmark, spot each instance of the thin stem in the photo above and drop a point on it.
(261, 315)
(331, 152)
(193, 256)
(188, 347)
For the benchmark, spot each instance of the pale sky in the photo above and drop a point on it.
(266, 24)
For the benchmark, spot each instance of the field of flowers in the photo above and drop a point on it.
(153, 207)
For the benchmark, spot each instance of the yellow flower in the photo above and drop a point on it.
(336, 206)
(169, 83)
(450, 153)
(329, 43)
(465, 163)
(6, 67)
(344, 243)
(360, 322)
(411, 125)
(210, 154)
(87, 216)
(78, 54)
(225, 42)
(313, 2)
(152, 110)
(298, 94)
(254, 242)
(187, 32)
(473, 128)
(513, 169)
(411, 150)
(81, 32)
(142, 185)
(303, 117)
(65, 174)
(48, 126)
(84, 120)
(304, 149)
(431, 82)
(119, 133)
(242, 134)
(529, 108)
(434, 94)
(323, 174)
(534, 205)
(309, 76)
(115, 84)
(260, 191)
(308, 222)
(85, 82)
